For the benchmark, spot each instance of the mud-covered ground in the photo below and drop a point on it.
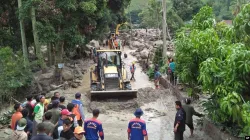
(158, 105)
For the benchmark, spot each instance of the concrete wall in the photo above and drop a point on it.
(208, 127)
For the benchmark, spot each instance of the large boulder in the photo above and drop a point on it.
(144, 54)
(137, 44)
(158, 43)
(67, 75)
(94, 43)
(46, 76)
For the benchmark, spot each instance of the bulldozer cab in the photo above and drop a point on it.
(111, 58)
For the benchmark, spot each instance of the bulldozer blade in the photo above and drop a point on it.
(120, 94)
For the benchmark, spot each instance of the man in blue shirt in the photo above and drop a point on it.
(93, 126)
(172, 70)
(157, 76)
(137, 127)
(179, 122)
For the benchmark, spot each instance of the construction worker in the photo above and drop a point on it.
(132, 70)
(137, 127)
(93, 127)
(78, 109)
(179, 122)
(189, 115)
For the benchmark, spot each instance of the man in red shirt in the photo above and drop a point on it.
(16, 116)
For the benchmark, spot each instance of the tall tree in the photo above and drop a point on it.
(24, 45)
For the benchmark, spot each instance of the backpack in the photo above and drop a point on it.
(76, 112)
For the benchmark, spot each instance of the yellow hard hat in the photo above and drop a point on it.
(133, 62)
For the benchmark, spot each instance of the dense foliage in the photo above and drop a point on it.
(225, 9)
(210, 55)
(13, 73)
(151, 16)
(61, 25)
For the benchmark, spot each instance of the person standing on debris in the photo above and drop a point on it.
(132, 70)
(19, 133)
(49, 125)
(137, 127)
(179, 123)
(157, 76)
(38, 111)
(55, 111)
(172, 71)
(16, 116)
(93, 127)
(78, 109)
(41, 129)
(189, 115)
(78, 133)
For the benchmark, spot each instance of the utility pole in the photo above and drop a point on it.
(164, 26)
(24, 45)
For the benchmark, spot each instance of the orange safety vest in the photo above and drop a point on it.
(76, 112)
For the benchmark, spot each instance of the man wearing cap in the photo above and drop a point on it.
(39, 112)
(19, 133)
(132, 70)
(179, 123)
(55, 112)
(78, 109)
(65, 114)
(137, 127)
(93, 127)
(78, 133)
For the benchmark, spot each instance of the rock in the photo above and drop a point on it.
(158, 43)
(46, 76)
(137, 44)
(144, 54)
(74, 85)
(67, 75)
(54, 87)
(78, 81)
(94, 43)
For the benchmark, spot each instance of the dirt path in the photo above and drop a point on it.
(158, 106)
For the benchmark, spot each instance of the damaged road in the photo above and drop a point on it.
(158, 106)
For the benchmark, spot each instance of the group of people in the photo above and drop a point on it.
(40, 119)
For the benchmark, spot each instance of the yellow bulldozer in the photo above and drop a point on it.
(109, 78)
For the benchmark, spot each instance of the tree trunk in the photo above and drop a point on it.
(36, 39)
(49, 50)
(24, 45)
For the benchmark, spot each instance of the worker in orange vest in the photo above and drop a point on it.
(78, 109)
